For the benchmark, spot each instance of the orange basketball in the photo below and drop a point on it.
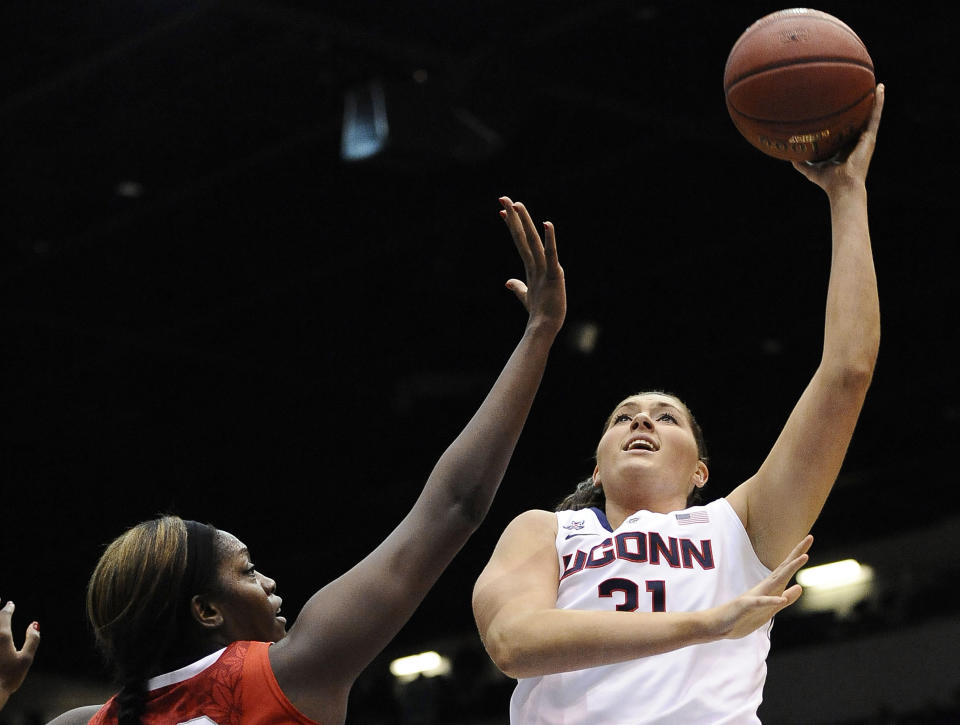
(799, 85)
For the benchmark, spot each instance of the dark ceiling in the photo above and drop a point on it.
(205, 310)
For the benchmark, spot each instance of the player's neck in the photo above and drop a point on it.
(617, 513)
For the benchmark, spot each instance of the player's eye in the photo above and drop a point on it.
(622, 418)
(667, 417)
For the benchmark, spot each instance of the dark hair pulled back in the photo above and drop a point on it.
(139, 602)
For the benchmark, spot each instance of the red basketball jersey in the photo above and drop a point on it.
(234, 686)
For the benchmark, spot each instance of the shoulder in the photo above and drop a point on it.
(77, 716)
(536, 515)
(534, 521)
(523, 563)
(528, 531)
(721, 507)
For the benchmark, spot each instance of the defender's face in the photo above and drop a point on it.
(246, 598)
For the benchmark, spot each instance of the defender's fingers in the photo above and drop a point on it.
(511, 216)
(519, 289)
(31, 641)
(530, 230)
(550, 244)
(6, 614)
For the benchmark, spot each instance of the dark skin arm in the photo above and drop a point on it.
(348, 622)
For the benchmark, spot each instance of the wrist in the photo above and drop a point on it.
(542, 327)
(712, 625)
(848, 192)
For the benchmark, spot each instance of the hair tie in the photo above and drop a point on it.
(200, 558)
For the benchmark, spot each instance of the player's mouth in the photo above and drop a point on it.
(641, 443)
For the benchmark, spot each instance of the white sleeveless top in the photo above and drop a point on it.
(682, 561)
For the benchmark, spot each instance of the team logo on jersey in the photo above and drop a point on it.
(641, 547)
(574, 525)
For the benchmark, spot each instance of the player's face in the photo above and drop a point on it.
(245, 597)
(649, 445)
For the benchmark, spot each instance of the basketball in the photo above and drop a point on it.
(799, 85)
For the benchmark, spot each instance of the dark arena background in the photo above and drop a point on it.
(252, 273)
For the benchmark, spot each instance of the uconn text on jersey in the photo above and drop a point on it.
(641, 547)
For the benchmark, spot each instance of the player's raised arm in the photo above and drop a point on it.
(348, 622)
(780, 503)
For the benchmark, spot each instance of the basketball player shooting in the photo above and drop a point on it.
(611, 610)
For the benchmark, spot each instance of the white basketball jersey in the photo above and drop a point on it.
(683, 561)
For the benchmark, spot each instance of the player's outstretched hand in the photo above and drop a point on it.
(14, 663)
(755, 607)
(544, 292)
(831, 175)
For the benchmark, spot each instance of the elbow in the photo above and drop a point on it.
(462, 500)
(469, 506)
(509, 642)
(850, 384)
(857, 375)
(518, 650)
(504, 653)
(460, 517)
(854, 373)
(459, 514)
(472, 510)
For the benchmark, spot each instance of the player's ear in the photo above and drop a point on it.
(700, 475)
(205, 613)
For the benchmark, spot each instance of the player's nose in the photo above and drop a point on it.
(641, 420)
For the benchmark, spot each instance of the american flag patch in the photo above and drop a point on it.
(693, 517)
